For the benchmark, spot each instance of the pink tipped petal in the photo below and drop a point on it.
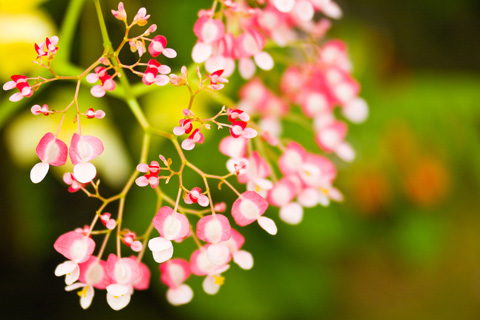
(52, 150)
(218, 254)
(74, 246)
(233, 148)
(304, 10)
(243, 259)
(291, 213)
(84, 148)
(169, 53)
(203, 201)
(268, 225)
(84, 172)
(39, 171)
(263, 60)
(201, 52)
(213, 228)
(332, 10)
(97, 91)
(143, 167)
(248, 208)
(171, 225)
(180, 295)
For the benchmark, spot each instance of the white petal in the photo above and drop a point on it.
(84, 172)
(209, 285)
(86, 301)
(345, 152)
(65, 268)
(292, 213)
(243, 259)
(268, 225)
(218, 254)
(356, 110)
(263, 60)
(9, 85)
(39, 171)
(162, 80)
(188, 144)
(304, 10)
(201, 52)
(118, 302)
(92, 77)
(16, 97)
(181, 295)
(249, 133)
(162, 249)
(284, 5)
(246, 67)
(97, 91)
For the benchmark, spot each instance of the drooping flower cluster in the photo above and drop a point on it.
(272, 167)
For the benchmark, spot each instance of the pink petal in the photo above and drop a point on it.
(282, 193)
(84, 148)
(249, 133)
(284, 5)
(304, 10)
(9, 85)
(52, 150)
(345, 152)
(39, 171)
(169, 53)
(75, 246)
(233, 148)
(248, 208)
(143, 282)
(203, 200)
(93, 272)
(213, 228)
(171, 225)
(142, 181)
(188, 144)
(246, 67)
(84, 172)
(356, 110)
(97, 91)
(174, 272)
(209, 30)
(92, 77)
(16, 97)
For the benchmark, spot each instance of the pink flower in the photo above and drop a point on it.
(51, 151)
(107, 82)
(195, 137)
(84, 149)
(151, 73)
(36, 109)
(151, 176)
(141, 17)
(242, 258)
(124, 272)
(250, 207)
(216, 81)
(159, 45)
(215, 229)
(208, 30)
(238, 129)
(180, 80)
(171, 226)
(92, 275)
(21, 83)
(99, 114)
(185, 127)
(201, 265)
(47, 47)
(129, 239)
(77, 249)
(108, 221)
(69, 179)
(195, 195)
(234, 114)
(174, 273)
(120, 14)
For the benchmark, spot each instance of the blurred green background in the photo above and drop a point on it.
(405, 244)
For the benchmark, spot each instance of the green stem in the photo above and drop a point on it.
(68, 28)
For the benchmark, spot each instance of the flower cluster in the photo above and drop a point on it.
(265, 166)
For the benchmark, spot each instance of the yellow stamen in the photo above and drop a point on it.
(219, 280)
(83, 292)
(324, 190)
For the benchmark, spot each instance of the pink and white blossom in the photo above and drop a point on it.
(215, 229)
(21, 83)
(124, 272)
(84, 149)
(51, 151)
(107, 82)
(250, 207)
(195, 196)
(159, 45)
(151, 174)
(195, 137)
(174, 273)
(120, 14)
